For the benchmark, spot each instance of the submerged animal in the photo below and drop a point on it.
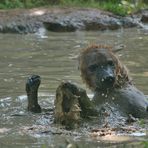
(115, 97)
(108, 78)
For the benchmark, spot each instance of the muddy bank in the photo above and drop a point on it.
(64, 20)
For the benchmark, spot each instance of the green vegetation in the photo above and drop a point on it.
(120, 7)
(144, 144)
(8, 4)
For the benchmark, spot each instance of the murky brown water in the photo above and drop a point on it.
(53, 56)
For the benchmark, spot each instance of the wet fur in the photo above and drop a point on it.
(122, 95)
(121, 71)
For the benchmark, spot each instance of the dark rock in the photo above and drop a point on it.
(102, 24)
(128, 22)
(86, 19)
(18, 28)
(144, 18)
(59, 27)
(63, 20)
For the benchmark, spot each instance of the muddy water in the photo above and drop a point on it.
(53, 56)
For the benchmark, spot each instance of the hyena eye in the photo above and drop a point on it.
(111, 63)
(93, 68)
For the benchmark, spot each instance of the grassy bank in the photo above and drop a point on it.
(120, 7)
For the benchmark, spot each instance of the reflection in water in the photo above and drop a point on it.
(53, 56)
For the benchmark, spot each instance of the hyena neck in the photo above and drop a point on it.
(122, 82)
(106, 91)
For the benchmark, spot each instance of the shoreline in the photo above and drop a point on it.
(57, 19)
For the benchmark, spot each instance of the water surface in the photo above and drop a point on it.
(53, 56)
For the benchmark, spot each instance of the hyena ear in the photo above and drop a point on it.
(118, 48)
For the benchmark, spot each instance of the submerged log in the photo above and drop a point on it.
(32, 86)
(72, 104)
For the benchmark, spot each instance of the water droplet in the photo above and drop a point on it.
(102, 94)
(113, 98)
(10, 65)
(102, 79)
